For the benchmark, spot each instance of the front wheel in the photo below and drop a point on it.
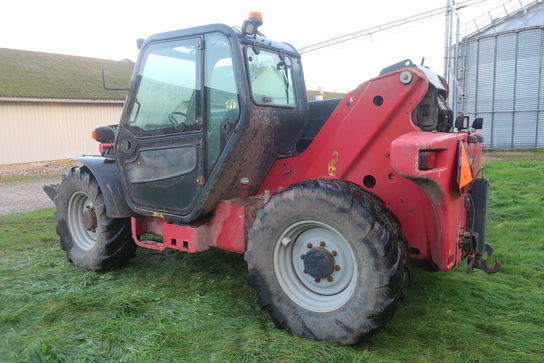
(91, 239)
(327, 261)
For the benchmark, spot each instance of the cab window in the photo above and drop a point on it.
(223, 106)
(167, 90)
(270, 78)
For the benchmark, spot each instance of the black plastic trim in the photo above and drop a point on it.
(108, 177)
(477, 216)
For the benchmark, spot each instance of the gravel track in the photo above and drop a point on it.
(25, 196)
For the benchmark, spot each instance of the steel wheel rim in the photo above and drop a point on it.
(300, 286)
(83, 238)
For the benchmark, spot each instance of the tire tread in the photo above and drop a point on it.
(116, 248)
(386, 241)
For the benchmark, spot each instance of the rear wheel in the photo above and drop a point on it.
(327, 261)
(91, 239)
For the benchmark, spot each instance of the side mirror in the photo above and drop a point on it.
(103, 134)
(478, 123)
(462, 122)
(139, 43)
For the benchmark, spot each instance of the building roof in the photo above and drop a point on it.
(36, 75)
(47, 75)
(531, 15)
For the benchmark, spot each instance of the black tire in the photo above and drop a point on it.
(110, 245)
(375, 242)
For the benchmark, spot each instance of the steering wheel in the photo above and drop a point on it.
(174, 121)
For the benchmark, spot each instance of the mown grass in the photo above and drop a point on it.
(180, 307)
(22, 178)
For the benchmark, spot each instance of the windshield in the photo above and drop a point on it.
(167, 90)
(271, 78)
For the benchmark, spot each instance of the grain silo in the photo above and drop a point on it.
(500, 73)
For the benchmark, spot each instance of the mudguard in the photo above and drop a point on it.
(109, 179)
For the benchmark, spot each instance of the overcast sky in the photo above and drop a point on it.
(109, 29)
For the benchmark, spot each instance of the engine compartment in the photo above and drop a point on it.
(433, 112)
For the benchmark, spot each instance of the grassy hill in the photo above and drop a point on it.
(48, 75)
(44, 75)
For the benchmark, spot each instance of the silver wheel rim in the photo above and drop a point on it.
(320, 295)
(83, 238)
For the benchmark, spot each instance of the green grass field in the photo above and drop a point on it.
(180, 307)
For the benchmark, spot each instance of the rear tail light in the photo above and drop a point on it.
(428, 159)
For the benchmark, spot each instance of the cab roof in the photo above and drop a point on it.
(231, 32)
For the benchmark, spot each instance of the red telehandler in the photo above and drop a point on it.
(219, 147)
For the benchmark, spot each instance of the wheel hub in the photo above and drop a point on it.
(315, 265)
(89, 219)
(82, 221)
(319, 263)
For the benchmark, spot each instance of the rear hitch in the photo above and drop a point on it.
(474, 239)
(476, 260)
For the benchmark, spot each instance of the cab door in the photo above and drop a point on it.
(159, 145)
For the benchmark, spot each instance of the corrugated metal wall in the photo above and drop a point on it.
(37, 131)
(503, 82)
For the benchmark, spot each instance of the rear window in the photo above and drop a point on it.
(271, 78)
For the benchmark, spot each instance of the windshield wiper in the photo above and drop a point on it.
(282, 67)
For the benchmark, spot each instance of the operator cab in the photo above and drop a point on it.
(208, 106)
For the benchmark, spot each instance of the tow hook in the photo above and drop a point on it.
(477, 260)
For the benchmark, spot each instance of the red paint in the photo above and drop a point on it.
(447, 211)
(225, 230)
(359, 139)
(103, 146)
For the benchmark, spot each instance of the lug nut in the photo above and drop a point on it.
(309, 245)
(317, 280)
(334, 253)
(329, 278)
(336, 268)
(322, 244)
(302, 256)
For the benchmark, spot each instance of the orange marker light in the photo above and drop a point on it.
(94, 134)
(256, 16)
(465, 171)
